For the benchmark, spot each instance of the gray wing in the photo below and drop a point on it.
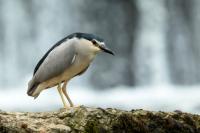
(57, 61)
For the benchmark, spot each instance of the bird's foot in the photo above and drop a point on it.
(64, 108)
(76, 106)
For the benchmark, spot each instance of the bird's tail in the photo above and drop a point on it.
(32, 86)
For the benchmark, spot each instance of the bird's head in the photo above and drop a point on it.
(93, 42)
(101, 46)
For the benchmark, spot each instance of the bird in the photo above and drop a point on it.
(68, 58)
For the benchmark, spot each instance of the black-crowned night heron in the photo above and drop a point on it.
(68, 58)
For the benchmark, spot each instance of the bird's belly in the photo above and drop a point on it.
(65, 76)
(73, 71)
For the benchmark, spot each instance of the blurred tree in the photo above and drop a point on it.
(116, 22)
(183, 47)
(154, 41)
(151, 67)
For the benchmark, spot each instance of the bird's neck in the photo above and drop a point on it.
(85, 51)
(87, 56)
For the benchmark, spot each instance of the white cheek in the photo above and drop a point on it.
(88, 47)
(96, 49)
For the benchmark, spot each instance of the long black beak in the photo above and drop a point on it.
(105, 49)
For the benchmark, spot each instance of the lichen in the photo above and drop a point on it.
(98, 120)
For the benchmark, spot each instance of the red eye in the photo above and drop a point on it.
(94, 42)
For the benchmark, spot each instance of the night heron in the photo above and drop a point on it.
(68, 58)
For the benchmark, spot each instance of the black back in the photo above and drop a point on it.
(77, 35)
(87, 36)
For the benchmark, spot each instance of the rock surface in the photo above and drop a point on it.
(97, 120)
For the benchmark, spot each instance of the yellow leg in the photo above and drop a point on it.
(61, 95)
(66, 95)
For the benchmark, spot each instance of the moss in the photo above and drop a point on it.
(98, 120)
(94, 127)
(128, 123)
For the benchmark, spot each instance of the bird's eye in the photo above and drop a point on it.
(94, 42)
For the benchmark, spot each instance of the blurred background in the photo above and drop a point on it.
(157, 62)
